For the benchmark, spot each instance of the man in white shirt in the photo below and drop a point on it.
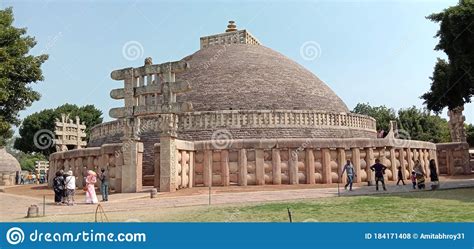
(70, 188)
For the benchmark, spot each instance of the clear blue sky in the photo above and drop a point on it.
(370, 51)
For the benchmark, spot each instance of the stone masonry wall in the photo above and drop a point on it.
(240, 124)
(453, 158)
(107, 156)
(299, 161)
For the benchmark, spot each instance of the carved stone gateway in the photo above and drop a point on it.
(143, 88)
(69, 133)
(456, 124)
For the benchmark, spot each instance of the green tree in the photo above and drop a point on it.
(17, 71)
(470, 134)
(452, 83)
(381, 114)
(421, 125)
(27, 160)
(45, 120)
(417, 123)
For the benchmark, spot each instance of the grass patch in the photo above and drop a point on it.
(425, 206)
(446, 205)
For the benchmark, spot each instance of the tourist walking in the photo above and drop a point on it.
(413, 179)
(433, 175)
(400, 175)
(104, 184)
(379, 172)
(420, 175)
(58, 187)
(91, 179)
(349, 169)
(70, 188)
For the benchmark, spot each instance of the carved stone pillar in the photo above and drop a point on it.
(369, 158)
(259, 167)
(326, 167)
(393, 162)
(242, 167)
(207, 171)
(225, 168)
(293, 167)
(276, 167)
(456, 124)
(310, 176)
(356, 163)
(132, 151)
(341, 159)
(168, 150)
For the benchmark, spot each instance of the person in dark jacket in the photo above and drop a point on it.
(400, 175)
(104, 185)
(58, 187)
(379, 172)
(413, 178)
(433, 175)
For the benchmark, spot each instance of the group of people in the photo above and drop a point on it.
(417, 176)
(30, 178)
(64, 186)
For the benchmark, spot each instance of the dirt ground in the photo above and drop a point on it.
(16, 200)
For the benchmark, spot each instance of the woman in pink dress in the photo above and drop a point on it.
(91, 179)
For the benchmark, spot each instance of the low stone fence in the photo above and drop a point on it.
(185, 156)
(191, 122)
(453, 158)
(8, 178)
(291, 161)
(108, 156)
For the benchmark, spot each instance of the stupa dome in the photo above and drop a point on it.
(253, 77)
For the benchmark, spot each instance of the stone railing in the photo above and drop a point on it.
(108, 157)
(234, 37)
(294, 161)
(273, 119)
(185, 167)
(107, 129)
(239, 119)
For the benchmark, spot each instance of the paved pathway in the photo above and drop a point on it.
(14, 206)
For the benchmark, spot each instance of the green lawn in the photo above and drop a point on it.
(447, 205)
(425, 206)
